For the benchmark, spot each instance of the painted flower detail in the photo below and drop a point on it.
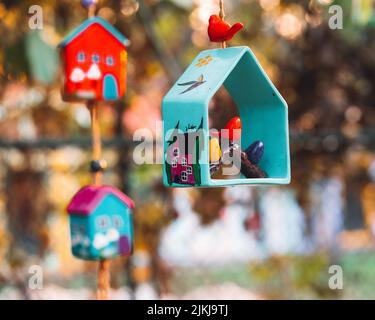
(192, 84)
(204, 61)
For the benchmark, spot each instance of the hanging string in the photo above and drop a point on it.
(222, 17)
(90, 6)
(91, 11)
(221, 12)
(103, 269)
(104, 279)
(104, 265)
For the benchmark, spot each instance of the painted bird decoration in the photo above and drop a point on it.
(192, 84)
(220, 30)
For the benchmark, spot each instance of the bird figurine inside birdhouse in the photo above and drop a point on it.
(95, 59)
(101, 223)
(255, 144)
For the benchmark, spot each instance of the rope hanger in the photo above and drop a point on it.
(222, 16)
(103, 277)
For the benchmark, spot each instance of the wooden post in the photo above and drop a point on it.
(91, 11)
(96, 140)
(104, 277)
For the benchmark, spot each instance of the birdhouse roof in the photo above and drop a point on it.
(236, 68)
(88, 198)
(87, 24)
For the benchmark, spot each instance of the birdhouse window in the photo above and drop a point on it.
(189, 170)
(102, 222)
(176, 152)
(82, 229)
(117, 221)
(184, 162)
(174, 163)
(110, 61)
(95, 58)
(184, 176)
(81, 57)
(78, 229)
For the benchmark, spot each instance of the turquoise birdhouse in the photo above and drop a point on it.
(101, 223)
(263, 143)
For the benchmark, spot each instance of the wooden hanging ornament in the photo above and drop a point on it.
(101, 222)
(194, 155)
(101, 219)
(94, 57)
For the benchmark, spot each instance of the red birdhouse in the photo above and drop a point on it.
(95, 59)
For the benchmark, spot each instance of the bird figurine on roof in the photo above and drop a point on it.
(220, 30)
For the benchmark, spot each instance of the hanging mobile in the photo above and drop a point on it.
(193, 156)
(101, 220)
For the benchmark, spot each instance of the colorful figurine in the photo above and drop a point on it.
(234, 127)
(182, 165)
(101, 223)
(255, 152)
(215, 150)
(95, 59)
(248, 160)
(220, 30)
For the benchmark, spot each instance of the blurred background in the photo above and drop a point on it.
(234, 243)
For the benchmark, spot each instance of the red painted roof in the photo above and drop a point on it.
(88, 198)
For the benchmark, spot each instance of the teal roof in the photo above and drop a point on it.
(236, 68)
(111, 29)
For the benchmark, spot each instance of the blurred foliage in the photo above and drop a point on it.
(327, 77)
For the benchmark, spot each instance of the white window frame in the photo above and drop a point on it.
(184, 176)
(174, 162)
(81, 57)
(184, 161)
(110, 61)
(176, 152)
(118, 221)
(189, 170)
(99, 226)
(94, 56)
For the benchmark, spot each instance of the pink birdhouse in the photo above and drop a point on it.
(95, 58)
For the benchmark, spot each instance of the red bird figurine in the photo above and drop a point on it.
(221, 31)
